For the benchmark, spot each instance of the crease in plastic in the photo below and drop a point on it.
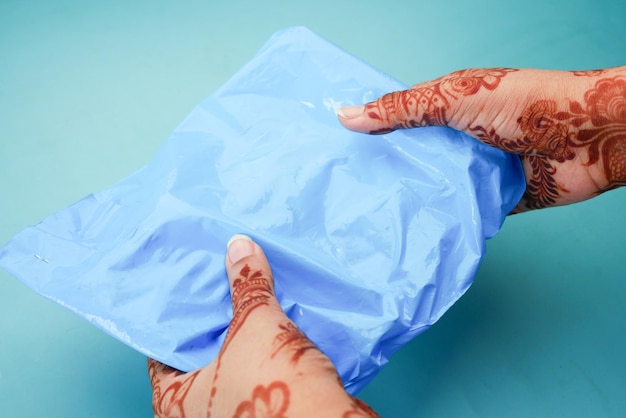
(371, 239)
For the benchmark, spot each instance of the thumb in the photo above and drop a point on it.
(399, 109)
(453, 100)
(258, 317)
(378, 117)
(250, 279)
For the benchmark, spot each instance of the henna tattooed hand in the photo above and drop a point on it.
(568, 127)
(266, 368)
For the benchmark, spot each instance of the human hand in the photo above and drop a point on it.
(266, 368)
(568, 127)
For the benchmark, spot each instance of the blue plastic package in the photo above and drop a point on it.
(371, 238)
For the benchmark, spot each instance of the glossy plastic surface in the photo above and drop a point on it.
(90, 90)
(370, 239)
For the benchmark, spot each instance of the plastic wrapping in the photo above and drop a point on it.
(371, 238)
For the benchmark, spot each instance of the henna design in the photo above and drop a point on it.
(267, 402)
(468, 82)
(170, 402)
(606, 107)
(360, 410)
(291, 337)
(250, 291)
(544, 131)
(490, 137)
(541, 188)
(426, 106)
(551, 136)
(605, 141)
(428, 103)
(550, 133)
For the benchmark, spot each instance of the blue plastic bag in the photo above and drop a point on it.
(371, 238)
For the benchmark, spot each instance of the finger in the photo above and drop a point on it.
(252, 290)
(400, 109)
(262, 344)
(250, 279)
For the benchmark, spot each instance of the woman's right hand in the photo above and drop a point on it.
(568, 127)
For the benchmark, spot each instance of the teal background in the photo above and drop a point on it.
(90, 90)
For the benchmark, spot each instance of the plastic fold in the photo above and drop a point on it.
(370, 238)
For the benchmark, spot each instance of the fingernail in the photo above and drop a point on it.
(350, 112)
(238, 247)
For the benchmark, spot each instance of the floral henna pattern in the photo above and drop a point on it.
(267, 402)
(169, 403)
(551, 133)
(606, 107)
(551, 136)
(293, 339)
(250, 291)
(603, 116)
(541, 188)
(469, 82)
(545, 131)
(428, 104)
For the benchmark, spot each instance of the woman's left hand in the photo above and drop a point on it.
(266, 368)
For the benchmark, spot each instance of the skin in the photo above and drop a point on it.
(569, 129)
(266, 368)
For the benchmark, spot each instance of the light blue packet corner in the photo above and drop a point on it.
(371, 238)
